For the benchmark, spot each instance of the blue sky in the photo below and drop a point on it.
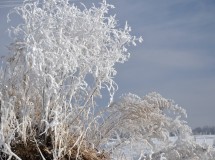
(177, 57)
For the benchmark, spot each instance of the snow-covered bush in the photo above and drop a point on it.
(150, 128)
(62, 59)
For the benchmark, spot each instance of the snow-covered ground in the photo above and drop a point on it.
(135, 150)
(208, 139)
(202, 139)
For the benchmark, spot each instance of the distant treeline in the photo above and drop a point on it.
(206, 130)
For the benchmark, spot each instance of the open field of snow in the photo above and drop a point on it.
(134, 151)
(205, 139)
(202, 139)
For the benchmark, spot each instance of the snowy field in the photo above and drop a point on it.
(205, 139)
(134, 151)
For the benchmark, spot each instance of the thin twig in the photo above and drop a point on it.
(39, 149)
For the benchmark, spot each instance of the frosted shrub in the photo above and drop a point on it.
(143, 126)
(145, 120)
(62, 57)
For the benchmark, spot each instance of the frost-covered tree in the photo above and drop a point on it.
(62, 60)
